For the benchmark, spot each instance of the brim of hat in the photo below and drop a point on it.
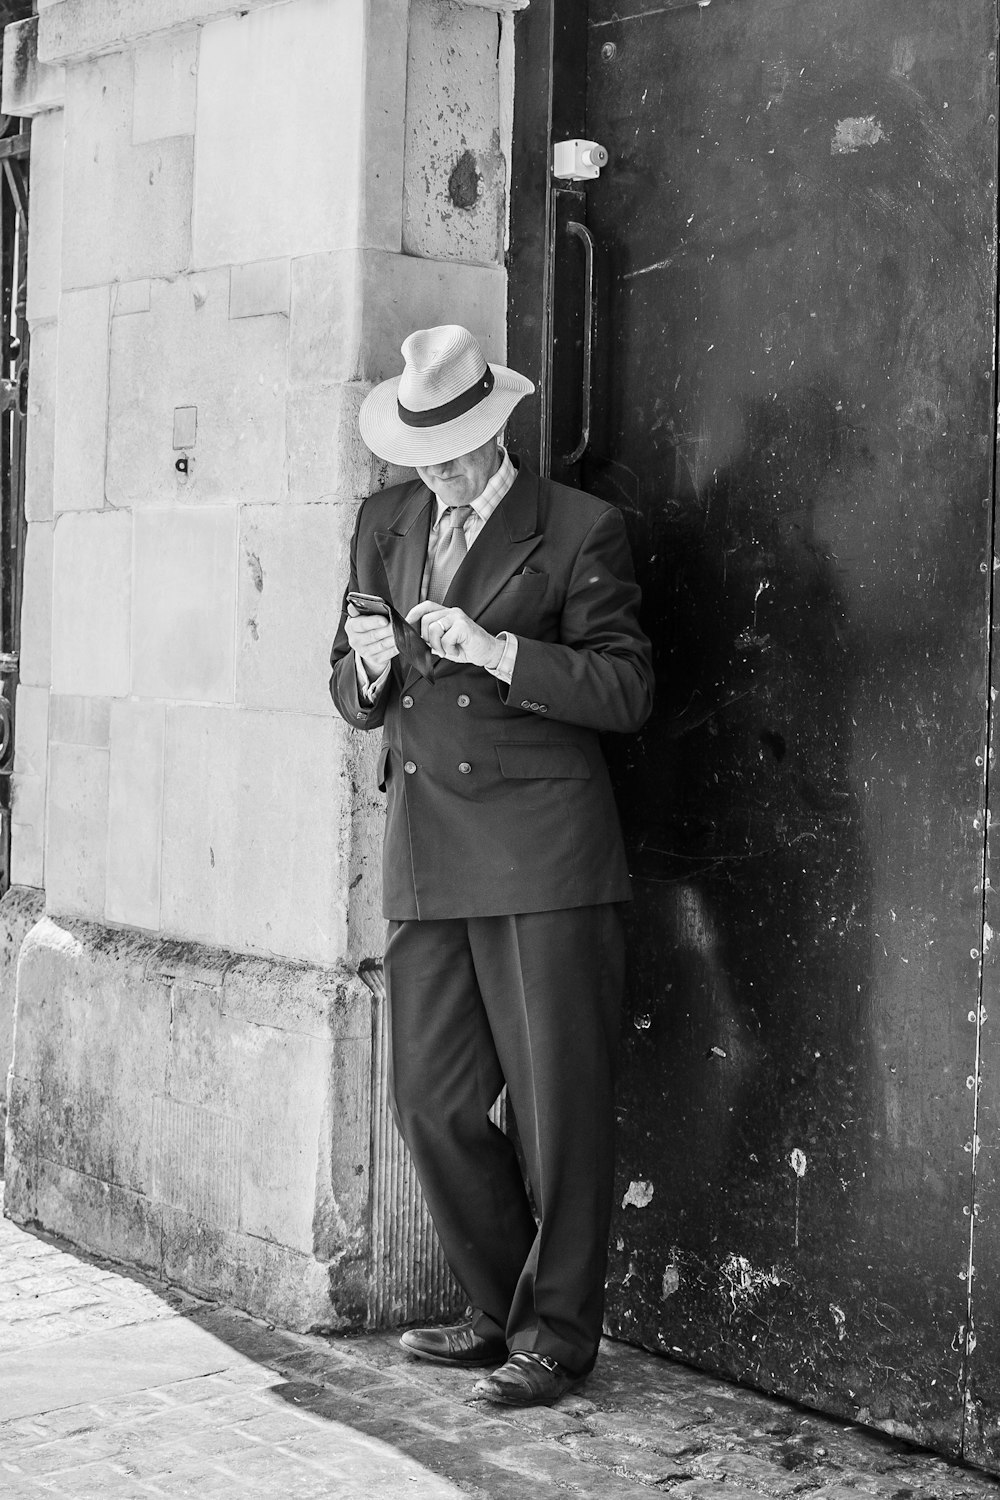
(388, 436)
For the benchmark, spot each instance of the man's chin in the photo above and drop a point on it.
(452, 490)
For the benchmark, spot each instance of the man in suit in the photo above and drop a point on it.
(503, 865)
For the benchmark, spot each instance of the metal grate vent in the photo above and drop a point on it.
(410, 1279)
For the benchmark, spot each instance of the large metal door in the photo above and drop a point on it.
(793, 403)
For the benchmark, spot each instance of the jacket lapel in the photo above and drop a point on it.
(501, 548)
(403, 547)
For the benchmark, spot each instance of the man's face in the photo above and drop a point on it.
(463, 479)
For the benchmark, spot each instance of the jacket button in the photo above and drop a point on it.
(406, 701)
(525, 703)
(534, 707)
(409, 766)
(464, 700)
(464, 767)
(543, 708)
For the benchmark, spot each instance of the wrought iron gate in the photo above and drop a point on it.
(14, 146)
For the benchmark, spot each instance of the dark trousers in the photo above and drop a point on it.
(533, 1001)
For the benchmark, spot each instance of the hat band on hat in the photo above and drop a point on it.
(457, 407)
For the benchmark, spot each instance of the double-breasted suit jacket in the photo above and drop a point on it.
(499, 799)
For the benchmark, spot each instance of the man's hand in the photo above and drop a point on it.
(451, 634)
(371, 639)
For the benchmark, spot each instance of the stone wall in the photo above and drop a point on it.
(237, 213)
(197, 1113)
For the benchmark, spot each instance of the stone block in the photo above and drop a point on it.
(76, 829)
(326, 336)
(80, 28)
(184, 603)
(131, 297)
(135, 811)
(293, 569)
(233, 1141)
(310, 1002)
(255, 805)
(187, 352)
(38, 476)
(263, 287)
(20, 908)
(30, 765)
(352, 310)
(36, 606)
(199, 1114)
(29, 86)
(27, 831)
(455, 175)
(45, 260)
(164, 87)
(74, 720)
(274, 1283)
(381, 215)
(340, 1225)
(126, 207)
(21, 1150)
(92, 573)
(81, 410)
(279, 137)
(326, 454)
(94, 1034)
(99, 1216)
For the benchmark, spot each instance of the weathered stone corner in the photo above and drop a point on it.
(30, 86)
(20, 909)
(199, 1113)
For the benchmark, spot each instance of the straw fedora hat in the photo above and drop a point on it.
(447, 401)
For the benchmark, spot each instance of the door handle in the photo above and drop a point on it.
(585, 237)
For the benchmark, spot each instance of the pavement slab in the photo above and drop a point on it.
(112, 1385)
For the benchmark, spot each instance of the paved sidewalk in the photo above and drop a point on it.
(111, 1386)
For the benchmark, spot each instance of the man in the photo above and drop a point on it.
(503, 861)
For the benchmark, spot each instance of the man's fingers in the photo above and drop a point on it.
(425, 607)
(429, 616)
(370, 627)
(371, 638)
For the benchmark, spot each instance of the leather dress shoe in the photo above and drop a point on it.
(528, 1380)
(457, 1345)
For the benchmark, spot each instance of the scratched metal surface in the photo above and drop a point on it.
(982, 1424)
(794, 410)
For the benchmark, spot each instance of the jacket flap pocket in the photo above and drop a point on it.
(383, 761)
(542, 760)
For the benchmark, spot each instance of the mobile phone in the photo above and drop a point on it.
(369, 604)
(409, 642)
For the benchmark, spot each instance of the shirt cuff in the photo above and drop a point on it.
(369, 690)
(504, 669)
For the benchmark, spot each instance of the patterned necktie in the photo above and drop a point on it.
(448, 547)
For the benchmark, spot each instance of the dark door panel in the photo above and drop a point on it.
(793, 406)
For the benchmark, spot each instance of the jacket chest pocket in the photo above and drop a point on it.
(521, 603)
